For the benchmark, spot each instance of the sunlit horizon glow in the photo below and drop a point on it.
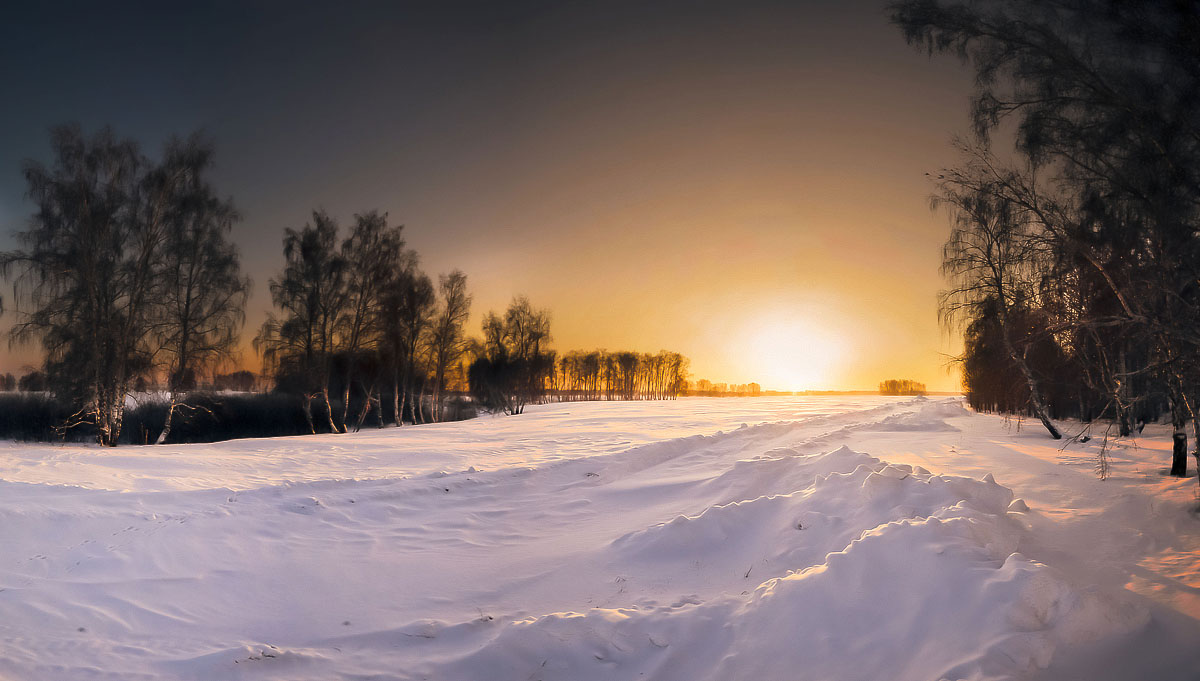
(793, 355)
(755, 202)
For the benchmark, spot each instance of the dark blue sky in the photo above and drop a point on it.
(604, 158)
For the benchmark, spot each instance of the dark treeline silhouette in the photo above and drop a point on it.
(128, 280)
(1073, 261)
(901, 386)
(359, 329)
(514, 366)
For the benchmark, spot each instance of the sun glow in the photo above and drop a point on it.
(794, 353)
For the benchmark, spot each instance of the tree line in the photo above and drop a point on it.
(127, 277)
(706, 388)
(901, 386)
(356, 317)
(514, 366)
(1073, 259)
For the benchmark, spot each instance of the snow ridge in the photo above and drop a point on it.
(770, 550)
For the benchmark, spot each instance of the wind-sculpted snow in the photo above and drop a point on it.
(897, 570)
(783, 549)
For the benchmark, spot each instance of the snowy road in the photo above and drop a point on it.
(793, 538)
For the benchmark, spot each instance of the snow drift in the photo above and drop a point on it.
(594, 541)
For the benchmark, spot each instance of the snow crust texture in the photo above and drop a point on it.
(766, 551)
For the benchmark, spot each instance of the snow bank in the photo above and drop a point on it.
(707, 539)
(882, 572)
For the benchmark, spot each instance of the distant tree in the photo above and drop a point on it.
(901, 386)
(310, 295)
(237, 381)
(32, 382)
(627, 364)
(447, 341)
(515, 363)
(201, 292)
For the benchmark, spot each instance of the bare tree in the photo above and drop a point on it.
(201, 291)
(373, 253)
(88, 266)
(407, 302)
(1102, 97)
(994, 258)
(310, 294)
(447, 342)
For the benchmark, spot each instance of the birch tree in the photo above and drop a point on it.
(201, 291)
(447, 341)
(310, 295)
(87, 270)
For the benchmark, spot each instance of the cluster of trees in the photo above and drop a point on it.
(127, 277)
(623, 375)
(241, 381)
(901, 386)
(514, 366)
(1075, 259)
(358, 315)
(706, 388)
(126, 268)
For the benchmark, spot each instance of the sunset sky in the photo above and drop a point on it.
(742, 182)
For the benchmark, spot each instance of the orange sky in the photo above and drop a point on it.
(744, 185)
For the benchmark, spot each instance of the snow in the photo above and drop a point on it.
(758, 538)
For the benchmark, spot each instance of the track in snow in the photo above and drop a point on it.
(572, 545)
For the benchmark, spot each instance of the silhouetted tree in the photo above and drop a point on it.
(1104, 97)
(407, 303)
(515, 365)
(91, 264)
(32, 382)
(237, 381)
(447, 342)
(373, 254)
(901, 386)
(201, 292)
(994, 255)
(310, 294)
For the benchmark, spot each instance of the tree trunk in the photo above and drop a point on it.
(1179, 438)
(1035, 396)
(362, 414)
(1124, 413)
(397, 413)
(346, 401)
(1179, 452)
(306, 405)
(110, 408)
(328, 409)
(162, 437)
(378, 406)
(1195, 417)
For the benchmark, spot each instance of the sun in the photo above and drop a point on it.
(793, 354)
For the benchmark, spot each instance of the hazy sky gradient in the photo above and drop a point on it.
(741, 182)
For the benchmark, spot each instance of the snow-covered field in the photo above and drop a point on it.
(814, 538)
